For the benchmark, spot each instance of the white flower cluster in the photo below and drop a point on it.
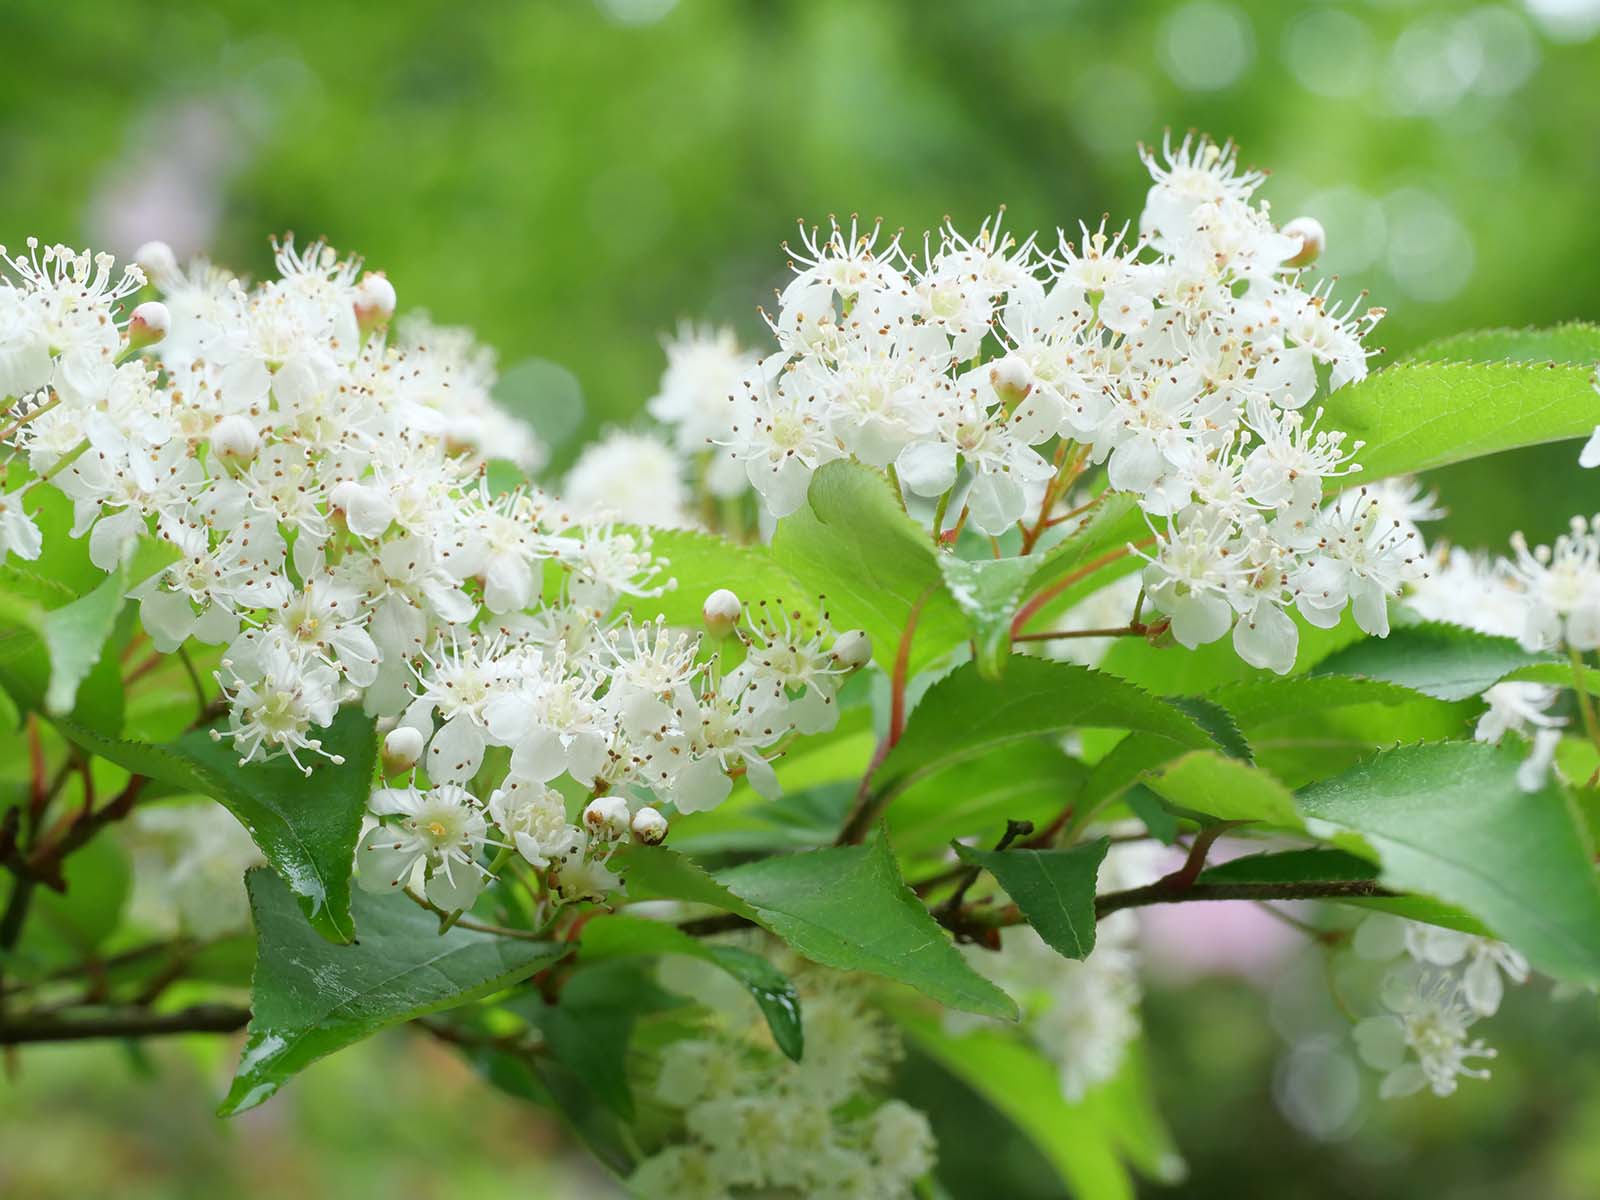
(1451, 980)
(188, 861)
(1184, 360)
(323, 489)
(752, 1120)
(1547, 597)
(1083, 1014)
(706, 373)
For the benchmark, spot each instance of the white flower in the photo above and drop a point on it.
(1425, 1040)
(631, 477)
(440, 830)
(1485, 959)
(1562, 586)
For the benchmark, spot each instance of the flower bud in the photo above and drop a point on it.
(235, 439)
(148, 325)
(649, 826)
(721, 612)
(606, 817)
(367, 511)
(1012, 379)
(852, 649)
(1313, 239)
(401, 749)
(374, 301)
(157, 261)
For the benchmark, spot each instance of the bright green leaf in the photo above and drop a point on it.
(1225, 788)
(1575, 342)
(702, 562)
(1415, 416)
(964, 715)
(872, 563)
(1450, 821)
(1448, 662)
(311, 998)
(658, 873)
(988, 592)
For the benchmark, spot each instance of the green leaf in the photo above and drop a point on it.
(964, 715)
(1448, 662)
(311, 998)
(306, 827)
(988, 592)
(1416, 416)
(612, 936)
(1053, 888)
(1225, 788)
(872, 563)
(1021, 1084)
(1027, 781)
(701, 563)
(1450, 821)
(1574, 342)
(657, 873)
(1113, 522)
(848, 908)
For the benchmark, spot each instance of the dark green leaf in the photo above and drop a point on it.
(620, 935)
(1053, 888)
(848, 908)
(657, 873)
(1218, 722)
(1027, 781)
(1448, 662)
(1449, 821)
(306, 827)
(311, 998)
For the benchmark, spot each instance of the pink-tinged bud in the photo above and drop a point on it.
(1313, 240)
(721, 612)
(149, 324)
(402, 747)
(157, 261)
(606, 818)
(852, 649)
(1012, 379)
(374, 300)
(649, 827)
(235, 439)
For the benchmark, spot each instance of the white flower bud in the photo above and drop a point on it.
(402, 747)
(158, 262)
(852, 649)
(649, 826)
(149, 324)
(367, 511)
(235, 439)
(1012, 379)
(721, 612)
(1313, 240)
(374, 300)
(606, 817)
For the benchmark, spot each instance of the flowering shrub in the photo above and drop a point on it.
(1015, 588)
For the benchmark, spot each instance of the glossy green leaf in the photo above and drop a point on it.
(988, 591)
(1448, 662)
(1576, 342)
(1415, 416)
(848, 908)
(872, 564)
(1450, 821)
(306, 828)
(310, 998)
(1054, 889)
(613, 936)
(964, 715)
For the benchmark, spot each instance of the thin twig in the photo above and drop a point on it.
(199, 1018)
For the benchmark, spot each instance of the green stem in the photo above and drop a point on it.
(1585, 705)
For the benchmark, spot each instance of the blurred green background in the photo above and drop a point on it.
(574, 177)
